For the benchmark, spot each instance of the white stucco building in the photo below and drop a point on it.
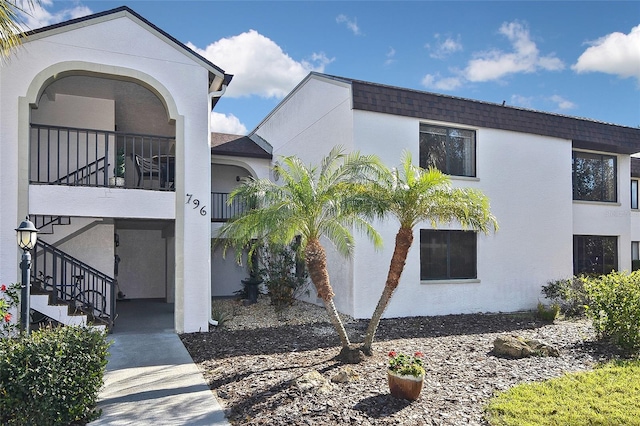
(105, 143)
(559, 186)
(105, 96)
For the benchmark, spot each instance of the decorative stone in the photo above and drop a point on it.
(519, 347)
(345, 375)
(405, 387)
(313, 382)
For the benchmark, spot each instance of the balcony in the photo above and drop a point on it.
(98, 158)
(221, 210)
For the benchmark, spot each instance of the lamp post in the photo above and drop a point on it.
(27, 236)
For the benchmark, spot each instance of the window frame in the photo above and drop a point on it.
(634, 194)
(603, 189)
(449, 276)
(579, 244)
(449, 141)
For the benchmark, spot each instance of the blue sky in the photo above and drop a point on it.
(578, 58)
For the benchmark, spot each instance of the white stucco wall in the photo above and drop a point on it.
(528, 181)
(309, 123)
(123, 47)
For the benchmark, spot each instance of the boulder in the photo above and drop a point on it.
(520, 347)
(345, 375)
(313, 382)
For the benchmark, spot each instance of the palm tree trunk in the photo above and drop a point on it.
(404, 239)
(316, 260)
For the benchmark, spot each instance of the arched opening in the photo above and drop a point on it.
(79, 121)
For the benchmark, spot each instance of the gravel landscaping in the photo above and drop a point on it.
(256, 363)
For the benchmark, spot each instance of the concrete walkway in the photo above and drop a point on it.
(151, 378)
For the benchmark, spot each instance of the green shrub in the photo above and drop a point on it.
(614, 307)
(283, 273)
(569, 294)
(52, 376)
(548, 313)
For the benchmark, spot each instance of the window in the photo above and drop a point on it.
(594, 254)
(635, 255)
(634, 194)
(594, 177)
(452, 151)
(447, 255)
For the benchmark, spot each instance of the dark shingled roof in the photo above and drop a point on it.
(585, 133)
(238, 146)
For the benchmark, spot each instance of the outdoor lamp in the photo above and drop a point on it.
(27, 237)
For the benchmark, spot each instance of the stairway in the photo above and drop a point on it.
(66, 289)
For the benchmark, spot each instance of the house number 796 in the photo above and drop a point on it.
(196, 204)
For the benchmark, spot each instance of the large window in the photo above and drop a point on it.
(594, 177)
(446, 255)
(594, 254)
(452, 151)
(634, 193)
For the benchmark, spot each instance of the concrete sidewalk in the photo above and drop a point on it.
(152, 380)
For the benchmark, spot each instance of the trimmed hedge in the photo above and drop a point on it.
(52, 376)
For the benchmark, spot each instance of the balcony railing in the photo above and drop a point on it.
(221, 210)
(86, 157)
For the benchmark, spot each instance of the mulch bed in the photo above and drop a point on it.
(253, 372)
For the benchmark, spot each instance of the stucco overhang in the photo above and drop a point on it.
(217, 76)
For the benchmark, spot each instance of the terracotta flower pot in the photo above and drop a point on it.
(406, 387)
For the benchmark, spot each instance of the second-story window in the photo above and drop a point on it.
(450, 150)
(634, 193)
(594, 177)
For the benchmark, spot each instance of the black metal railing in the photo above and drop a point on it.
(74, 282)
(44, 223)
(221, 210)
(88, 157)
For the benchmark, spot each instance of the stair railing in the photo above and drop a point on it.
(73, 281)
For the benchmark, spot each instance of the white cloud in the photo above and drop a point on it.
(445, 47)
(562, 103)
(431, 81)
(525, 57)
(615, 53)
(522, 101)
(38, 16)
(223, 123)
(352, 24)
(495, 64)
(391, 53)
(259, 65)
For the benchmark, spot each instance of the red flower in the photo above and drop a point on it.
(7, 317)
(392, 354)
(418, 354)
(3, 287)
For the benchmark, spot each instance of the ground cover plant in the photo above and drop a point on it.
(609, 395)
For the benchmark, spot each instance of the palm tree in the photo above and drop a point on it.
(413, 195)
(312, 202)
(10, 28)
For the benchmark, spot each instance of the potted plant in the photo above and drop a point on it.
(118, 171)
(406, 375)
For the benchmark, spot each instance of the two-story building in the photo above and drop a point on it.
(105, 143)
(560, 187)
